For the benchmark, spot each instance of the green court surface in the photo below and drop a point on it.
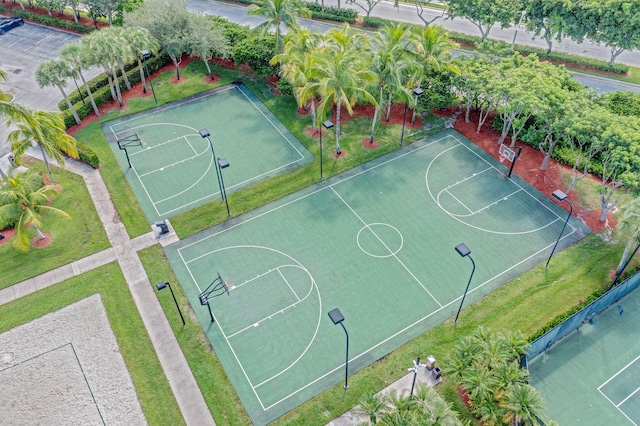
(173, 171)
(377, 242)
(592, 376)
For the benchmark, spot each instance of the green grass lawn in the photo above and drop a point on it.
(71, 239)
(155, 395)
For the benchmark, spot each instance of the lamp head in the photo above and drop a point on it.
(204, 133)
(161, 286)
(559, 195)
(418, 91)
(336, 316)
(463, 250)
(145, 53)
(223, 163)
(327, 124)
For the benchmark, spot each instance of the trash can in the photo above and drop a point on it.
(164, 229)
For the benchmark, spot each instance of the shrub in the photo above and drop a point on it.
(375, 22)
(331, 13)
(232, 31)
(256, 52)
(284, 87)
(87, 155)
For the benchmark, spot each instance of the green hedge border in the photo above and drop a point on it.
(47, 20)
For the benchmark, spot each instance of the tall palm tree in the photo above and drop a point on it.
(431, 48)
(299, 63)
(76, 59)
(54, 73)
(141, 39)
(23, 200)
(93, 45)
(276, 13)
(122, 52)
(45, 129)
(388, 53)
(343, 77)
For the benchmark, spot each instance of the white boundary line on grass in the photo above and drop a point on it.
(399, 332)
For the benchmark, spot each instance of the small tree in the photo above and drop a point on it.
(24, 200)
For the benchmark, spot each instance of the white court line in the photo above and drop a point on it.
(382, 342)
(457, 217)
(231, 348)
(617, 406)
(387, 247)
(271, 122)
(230, 227)
(455, 198)
(287, 281)
(215, 193)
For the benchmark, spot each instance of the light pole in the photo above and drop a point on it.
(206, 135)
(517, 28)
(417, 91)
(560, 196)
(327, 124)
(145, 55)
(416, 365)
(161, 286)
(464, 251)
(337, 318)
(223, 164)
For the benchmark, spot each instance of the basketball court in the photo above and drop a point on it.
(172, 168)
(378, 243)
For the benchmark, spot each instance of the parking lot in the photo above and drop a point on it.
(22, 49)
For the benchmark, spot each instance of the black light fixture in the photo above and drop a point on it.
(464, 251)
(146, 54)
(417, 92)
(560, 196)
(327, 124)
(205, 134)
(162, 286)
(223, 164)
(337, 318)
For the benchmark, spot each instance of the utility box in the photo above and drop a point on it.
(431, 362)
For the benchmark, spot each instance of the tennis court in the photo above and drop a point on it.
(376, 242)
(170, 166)
(591, 376)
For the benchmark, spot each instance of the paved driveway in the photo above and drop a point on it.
(21, 51)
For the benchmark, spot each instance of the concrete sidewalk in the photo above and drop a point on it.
(123, 249)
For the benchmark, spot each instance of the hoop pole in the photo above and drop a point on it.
(513, 163)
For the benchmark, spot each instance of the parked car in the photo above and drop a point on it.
(8, 23)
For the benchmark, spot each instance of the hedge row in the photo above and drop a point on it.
(569, 59)
(50, 21)
(374, 22)
(332, 13)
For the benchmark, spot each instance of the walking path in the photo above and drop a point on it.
(124, 250)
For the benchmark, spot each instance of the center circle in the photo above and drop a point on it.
(380, 240)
